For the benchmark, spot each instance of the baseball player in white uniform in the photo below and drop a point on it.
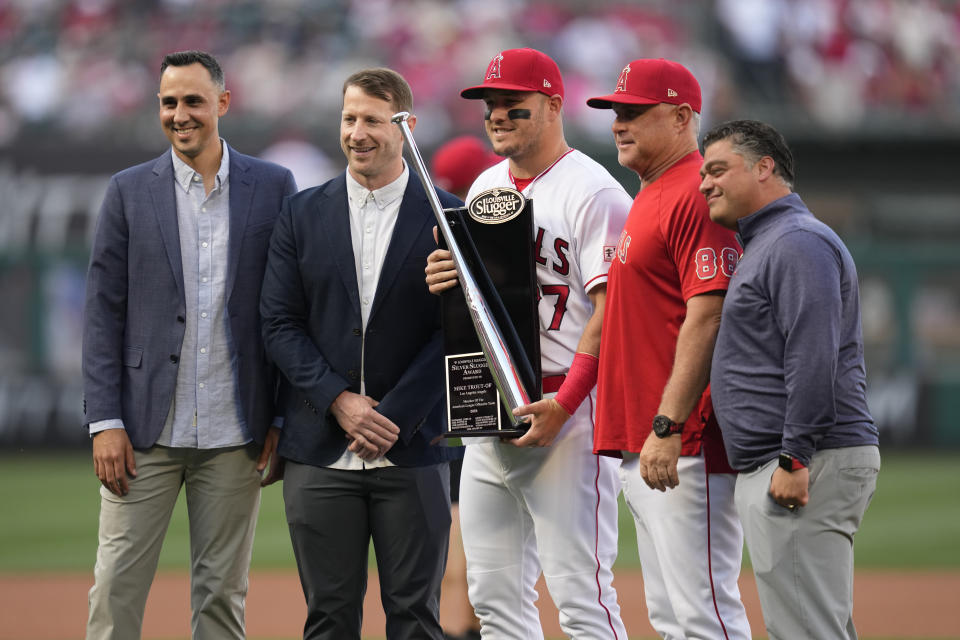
(544, 502)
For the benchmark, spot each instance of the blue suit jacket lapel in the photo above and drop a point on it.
(165, 209)
(242, 187)
(334, 213)
(414, 213)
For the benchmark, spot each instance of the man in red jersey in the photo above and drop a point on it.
(664, 295)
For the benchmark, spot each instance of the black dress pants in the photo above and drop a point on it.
(333, 514)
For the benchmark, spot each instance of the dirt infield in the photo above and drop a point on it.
(53, 607)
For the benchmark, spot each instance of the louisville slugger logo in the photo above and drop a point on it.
(496, 205)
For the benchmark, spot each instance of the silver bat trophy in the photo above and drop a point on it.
(505, 373)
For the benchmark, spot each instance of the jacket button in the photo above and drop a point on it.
(181, 319)
(352, 374)
(174, 358)
(356, 332)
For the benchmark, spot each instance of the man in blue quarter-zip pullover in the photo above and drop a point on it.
(788, 381)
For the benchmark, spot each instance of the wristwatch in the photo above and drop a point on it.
(789, 463)
(664, 427)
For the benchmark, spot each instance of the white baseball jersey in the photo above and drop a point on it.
(579, 211)
(550, 509)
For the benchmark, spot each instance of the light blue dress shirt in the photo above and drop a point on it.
(204, 413)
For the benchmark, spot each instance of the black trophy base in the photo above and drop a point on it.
(499, 252)
(508, 434)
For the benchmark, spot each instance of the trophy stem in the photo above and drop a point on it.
(505, 373)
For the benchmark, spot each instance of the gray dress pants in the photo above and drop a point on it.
(803, 558)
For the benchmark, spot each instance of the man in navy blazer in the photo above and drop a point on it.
(177, 387)
(350, 324)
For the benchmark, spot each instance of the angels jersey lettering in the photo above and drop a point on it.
(579, 211)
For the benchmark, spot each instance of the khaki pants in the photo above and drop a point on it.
(223, 498)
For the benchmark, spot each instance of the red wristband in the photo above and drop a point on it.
(580, 381)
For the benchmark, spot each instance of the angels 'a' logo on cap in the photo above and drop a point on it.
(493, 69)
(671, 93)
(622, 80)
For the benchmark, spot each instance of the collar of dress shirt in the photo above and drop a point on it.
(184, 173)
(383, 196)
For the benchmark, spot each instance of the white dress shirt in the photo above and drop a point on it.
(373, 215)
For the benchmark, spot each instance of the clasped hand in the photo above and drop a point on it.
(371, 433)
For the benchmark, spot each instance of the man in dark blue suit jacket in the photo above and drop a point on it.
(355, 333)
(177, 387)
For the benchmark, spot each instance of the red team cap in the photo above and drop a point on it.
(652, 81)
(457, 163)
(519, 70)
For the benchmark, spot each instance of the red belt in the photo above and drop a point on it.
(551, 384)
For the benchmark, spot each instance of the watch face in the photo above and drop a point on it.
(786, 462)
(663, 426)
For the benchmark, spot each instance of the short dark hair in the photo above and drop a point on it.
(186, 58)
(385, 84)
(754, 140)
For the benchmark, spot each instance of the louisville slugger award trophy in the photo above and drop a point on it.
(491, 333)
(494, 232)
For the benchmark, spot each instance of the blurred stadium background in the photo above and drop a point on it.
(866, 91)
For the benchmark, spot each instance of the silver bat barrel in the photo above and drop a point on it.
(506, 375)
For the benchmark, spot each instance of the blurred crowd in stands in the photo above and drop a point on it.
(86, 70)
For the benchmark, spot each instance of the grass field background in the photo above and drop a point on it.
(50, 506)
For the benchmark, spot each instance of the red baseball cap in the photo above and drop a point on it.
(457, 163)
(652, 81)
(519, 70)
